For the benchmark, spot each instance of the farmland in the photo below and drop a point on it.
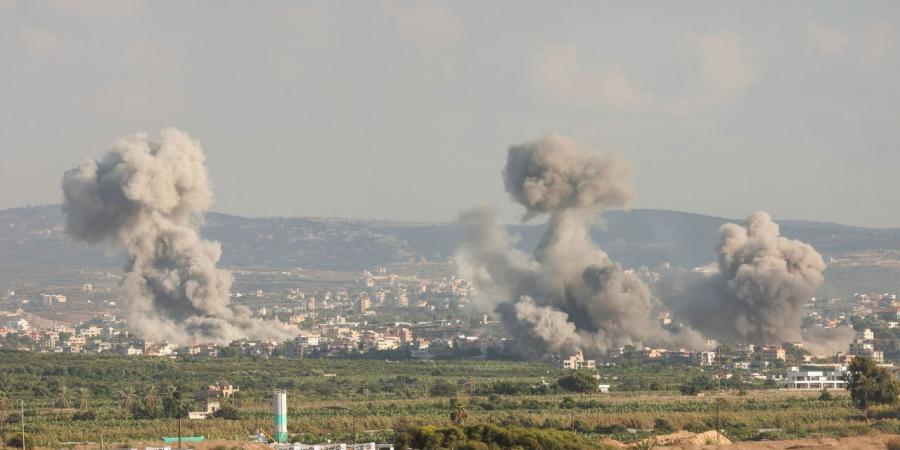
(76, 398)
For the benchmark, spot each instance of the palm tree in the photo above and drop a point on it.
(128, 395)
(83, 394)
(169, 390)
(4, 405)
(62, 401)
(458, 413)
(150, 398)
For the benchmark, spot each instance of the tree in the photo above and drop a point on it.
(869, 384)
(175, 406)
(83, 394)
(62, 400)
(150, 398)
(443, 388)
(578, 381)
(458, 413)
(228, 412)
(4, 408)
(128, 395)
(698, 384)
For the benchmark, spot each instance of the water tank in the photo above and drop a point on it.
(279, 407)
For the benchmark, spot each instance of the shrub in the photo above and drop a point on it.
(228, 412)
(15, 441)
(84, 415)
(487, 436)
(443, 388)
(663, 425)
(698, 384)
(578, 381)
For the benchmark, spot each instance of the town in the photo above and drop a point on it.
(380, 314)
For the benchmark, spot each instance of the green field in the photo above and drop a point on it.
(76, 398)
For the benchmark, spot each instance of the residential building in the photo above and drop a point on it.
(576, 361)
(815, 379)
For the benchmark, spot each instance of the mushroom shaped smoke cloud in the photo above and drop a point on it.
(148, 196)
(759, 292)
(569, 295)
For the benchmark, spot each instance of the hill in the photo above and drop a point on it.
(862, 258)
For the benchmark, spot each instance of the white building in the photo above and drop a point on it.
(576, 361)
(815, 379)
(21, 325)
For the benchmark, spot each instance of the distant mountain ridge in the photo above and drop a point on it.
(634, 238)
(640, 237)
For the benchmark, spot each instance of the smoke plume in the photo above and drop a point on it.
(760, 289)
(569, 295)
(148, 197)
(822, 341)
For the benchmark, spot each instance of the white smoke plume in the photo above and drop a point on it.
(148, 197)
(759, 291)
(569, 295)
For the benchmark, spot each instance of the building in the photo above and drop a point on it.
(867, 335)
(50, 299)
(221, 390)
(864, 348)
(211, 408)
(575, 362)
(364, 304)
(773, 353)
(706, 358)
(297, 319)
(815, 379)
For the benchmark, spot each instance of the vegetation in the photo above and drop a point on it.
(489, 437)
(870, 385)
(228, 412)
(130, 399)
(698, 384)
(578, 381)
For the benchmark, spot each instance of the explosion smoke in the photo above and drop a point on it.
(148, 197)
(570, 295)
(759, 292)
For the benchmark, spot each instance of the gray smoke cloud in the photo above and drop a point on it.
(759, 291)
(569, 295)
(148, 197)
(820, 341)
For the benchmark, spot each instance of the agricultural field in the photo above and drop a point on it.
(77, 398)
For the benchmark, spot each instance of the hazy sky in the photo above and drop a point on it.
(404, 110)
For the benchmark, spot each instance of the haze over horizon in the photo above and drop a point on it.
(404, 110)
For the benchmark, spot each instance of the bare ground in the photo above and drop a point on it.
(870, 442)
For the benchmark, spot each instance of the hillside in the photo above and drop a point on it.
(34, 237)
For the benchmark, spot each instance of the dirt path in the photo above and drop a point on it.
(850, 443)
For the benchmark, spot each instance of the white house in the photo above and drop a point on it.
(815, 379)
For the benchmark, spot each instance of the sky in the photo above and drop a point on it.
(404, 109)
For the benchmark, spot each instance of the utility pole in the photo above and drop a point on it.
(22, 404)
(176, 396)
(718, 426)
(717, 421)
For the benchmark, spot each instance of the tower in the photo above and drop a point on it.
(279, 406)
